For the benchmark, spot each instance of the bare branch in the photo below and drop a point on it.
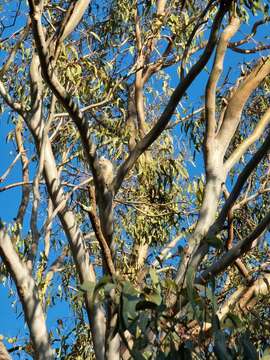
(8, 170)
(250, 51)
(251, 35)
(55, 267)
(247, 199)
(199, 23)
(100, 237)
(167, 249)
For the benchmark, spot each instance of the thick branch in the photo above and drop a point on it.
(78, 248)
(59, 91)
(242, 178)
(238, 100)
(29, 297)
(210, 95)
(72, 18)
(218, 224)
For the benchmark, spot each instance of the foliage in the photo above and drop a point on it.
(137, 248)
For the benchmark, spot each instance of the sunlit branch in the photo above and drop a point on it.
(210, 94)
(255, 135)
(29, 297)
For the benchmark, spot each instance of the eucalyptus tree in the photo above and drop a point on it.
(142, 133)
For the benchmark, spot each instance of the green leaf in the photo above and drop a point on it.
(154, 297)
(88, 286)
(154, 276)
(95, 36)
(190, 285)
(266, 354)
(129, 312)
(215, 242)
(220, 347)
(249, 350)
(144, 305)
(232, 321)
(101, 284)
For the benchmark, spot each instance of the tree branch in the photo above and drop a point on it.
(79, 251)
(180, 90)
(99, 235)
(252, 34)
(229, 243)
(241, 180)
(51, 79)
(235, 106)
(250, 51)
(72, 17)
(10, 102)
(25, 173)
(4, 355)
(235, 252)
(242, 148)
(210, 95)
(29, 297)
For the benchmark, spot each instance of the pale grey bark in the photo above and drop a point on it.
(206, 218)
(78, 248)
(4, 355)
(29, 297)
(81, 257)
(217, 139)
(215, 228)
